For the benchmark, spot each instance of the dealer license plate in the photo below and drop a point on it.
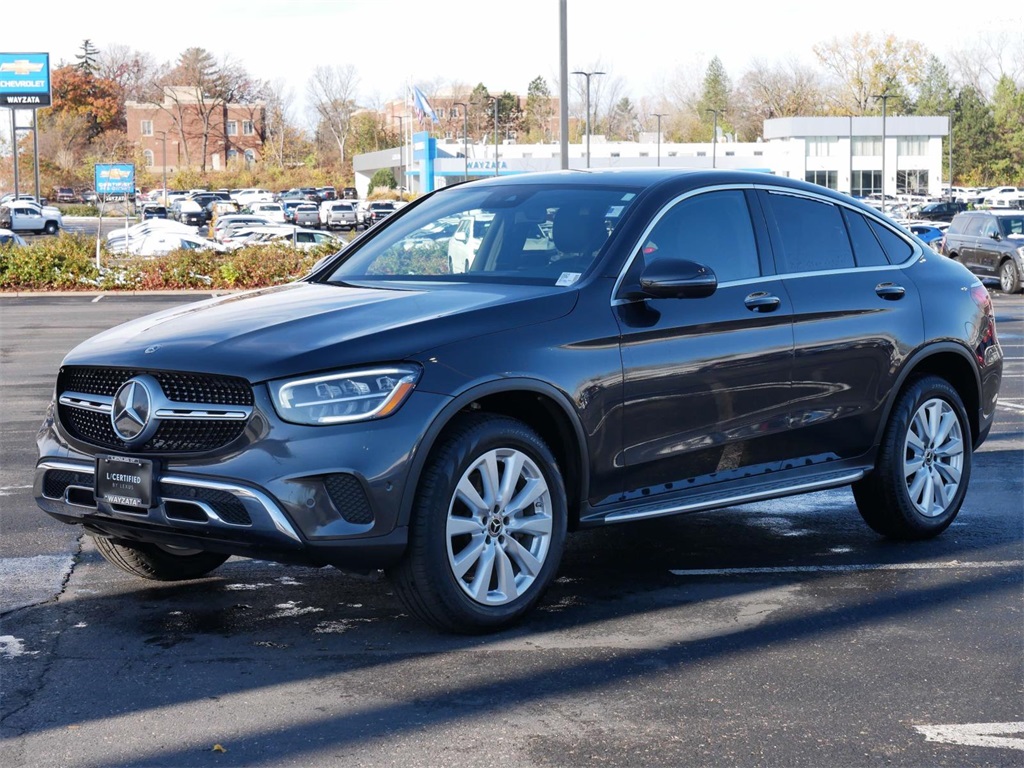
(125, 481)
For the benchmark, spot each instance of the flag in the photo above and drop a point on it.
(422, 106)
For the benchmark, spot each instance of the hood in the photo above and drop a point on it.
(305, 327)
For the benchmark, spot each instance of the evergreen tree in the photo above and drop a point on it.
(87, 58)
(1008, 117)
(714, 97)
(539, 111)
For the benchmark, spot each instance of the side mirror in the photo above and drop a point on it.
(460, 236)
(677, 279)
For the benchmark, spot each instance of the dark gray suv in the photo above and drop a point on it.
(623, 345)
(990, 244)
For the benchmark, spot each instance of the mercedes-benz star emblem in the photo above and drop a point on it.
(131, 412)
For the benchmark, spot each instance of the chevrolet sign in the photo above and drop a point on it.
(24, 80)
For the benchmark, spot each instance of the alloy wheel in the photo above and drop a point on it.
(933, 457)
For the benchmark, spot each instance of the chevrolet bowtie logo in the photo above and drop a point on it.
(21, 67)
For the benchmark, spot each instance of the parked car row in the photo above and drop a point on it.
(990, 244)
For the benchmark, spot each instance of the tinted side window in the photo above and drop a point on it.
(866, 248)
(973, 225)
(811, 234)
(957, 225)
(713, 229)
(896, 248)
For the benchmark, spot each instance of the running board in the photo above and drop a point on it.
(716, 499)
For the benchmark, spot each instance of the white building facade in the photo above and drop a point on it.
(848, 154)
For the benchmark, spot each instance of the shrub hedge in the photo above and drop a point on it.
(68, 263)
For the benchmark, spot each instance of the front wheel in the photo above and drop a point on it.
(1009, 277)
(488, 527)
(156, 563)
(923, 466)
(51, 228)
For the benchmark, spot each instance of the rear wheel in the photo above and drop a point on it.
(1009, 277)
(157, 563)
(51, 228)
(488, 528)
(924, 464)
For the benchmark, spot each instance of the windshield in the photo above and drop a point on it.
(531, 233)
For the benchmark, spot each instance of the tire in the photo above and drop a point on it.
(1009, 277)
(51, 228)
(476, 563)
(149, 561)
(924, 464)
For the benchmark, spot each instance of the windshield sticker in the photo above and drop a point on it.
(568, 278)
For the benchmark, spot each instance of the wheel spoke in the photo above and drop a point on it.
(460, 526)
(481, 583)
(465, 560)
(928, 494)
(939, 485)
(506, 576)
(513, 468)
(946, 425)
(471, 497)
(490, 477)
(913, 466)
(950, 474)
(534, 525)
(522, 556)
(951, 449)
(933, 412)
(916, 486)
(914, 435)
(535, 488)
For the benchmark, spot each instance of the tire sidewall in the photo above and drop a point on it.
(482, 435)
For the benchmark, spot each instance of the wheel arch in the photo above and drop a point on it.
(951, 362)
(545, 409)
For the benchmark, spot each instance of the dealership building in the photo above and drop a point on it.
(847, 154)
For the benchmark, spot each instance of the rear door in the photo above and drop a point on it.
(856, 316)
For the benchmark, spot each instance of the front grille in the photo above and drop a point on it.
(174, 435)
(180, 387)
(348, 496)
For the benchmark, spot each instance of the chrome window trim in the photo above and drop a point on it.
(917, 252)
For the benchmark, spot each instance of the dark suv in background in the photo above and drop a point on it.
(990, 244)
(623, 345)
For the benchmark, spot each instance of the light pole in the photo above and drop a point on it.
(659, 115)
(587, 75)
(495, 100)
(465, 137)
(884, 97)
(951, 197)
(163, 163)
(401, 152)
(714, 137)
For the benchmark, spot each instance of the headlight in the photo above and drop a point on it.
(335, 398)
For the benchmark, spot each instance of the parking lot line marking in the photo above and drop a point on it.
(951, 565)
(1000, 735)
(1012, 406)
(98, 298)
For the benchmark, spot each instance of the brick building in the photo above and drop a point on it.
(232, 133)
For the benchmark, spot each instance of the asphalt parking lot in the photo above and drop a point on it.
(779, 633)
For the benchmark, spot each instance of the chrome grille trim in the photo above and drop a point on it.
(94, 403)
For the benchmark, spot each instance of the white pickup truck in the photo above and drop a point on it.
(1005, 197)
(29, 217)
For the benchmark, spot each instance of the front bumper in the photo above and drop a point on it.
(315, 495)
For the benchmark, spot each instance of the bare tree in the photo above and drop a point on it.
(766, 91)
(332, 97)
(135, 72)
(991, 57)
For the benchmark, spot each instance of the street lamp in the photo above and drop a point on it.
(659, 115)
(465, 136)
(884, 97)
(587, 75)
(951, 197)
(714, 136)
(401, 150)
(495, 100)
(163, 162)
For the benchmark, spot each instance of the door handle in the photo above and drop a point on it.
(890, 291)
(760, 301)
